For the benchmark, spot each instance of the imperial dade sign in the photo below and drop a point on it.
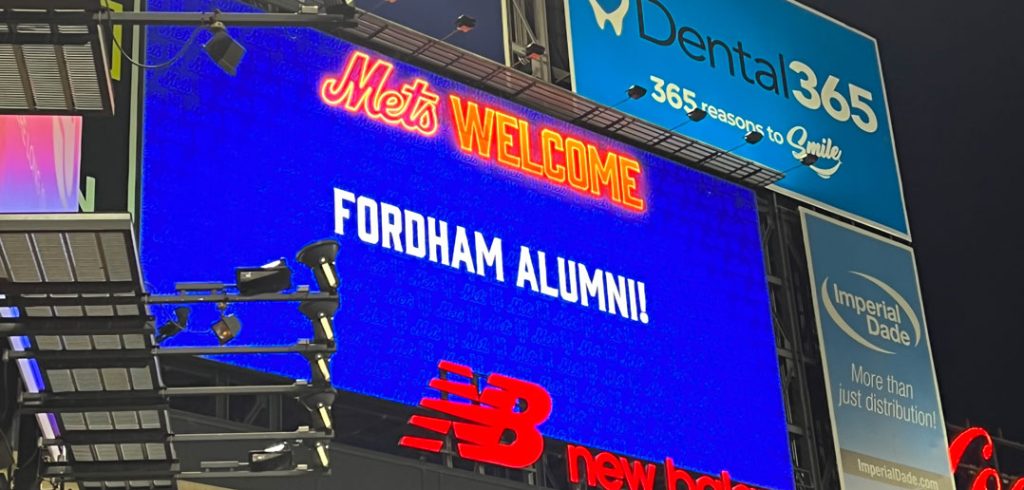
(883, 397)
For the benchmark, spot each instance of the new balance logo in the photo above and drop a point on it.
(614, 17)
(496, 425)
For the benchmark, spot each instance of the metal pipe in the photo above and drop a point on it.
(230, 19)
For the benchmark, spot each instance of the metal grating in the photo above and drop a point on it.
(53, 61)
(76, 284)
(413, 46)
(99, 421)
(122, 420)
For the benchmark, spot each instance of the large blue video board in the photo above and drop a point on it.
(631, 288)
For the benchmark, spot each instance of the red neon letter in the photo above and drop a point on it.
(550, 143)
(361, 88)
(629, 170)
(420, 113)
(572, 456)
(609, 473)
(529, 165)
(506, 142)
(674, 476)
(640, 476)
(604, 172)
(474, 134)
(359, 84)
(962, 441)
(576, 162)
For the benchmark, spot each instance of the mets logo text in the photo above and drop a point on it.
(497, 424)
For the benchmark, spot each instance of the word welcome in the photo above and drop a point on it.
(367, 86)
(560, 159)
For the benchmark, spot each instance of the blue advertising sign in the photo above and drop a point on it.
(809, 84)
(883, 396)
(474, 231)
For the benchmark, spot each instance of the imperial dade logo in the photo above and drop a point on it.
(615, 17)
(884, 320)
(497, 424)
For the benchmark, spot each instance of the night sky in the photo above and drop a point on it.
(953, 73)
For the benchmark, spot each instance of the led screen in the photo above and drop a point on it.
(639, 302)
(39, 163)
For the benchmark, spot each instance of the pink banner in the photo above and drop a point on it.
(40, 158)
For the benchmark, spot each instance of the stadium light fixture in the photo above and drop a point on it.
(171, 328)
(319, 367)
(223, 49)
(269, 278)
(322, 456)
(535, 51)
(465, 23)
(274, 458)
(753, 137)
(696, 115)
(319, 257)
(805, 159)
(808, 159)
(321, 313)
(636, 92)
(319, 405)
(227, 327)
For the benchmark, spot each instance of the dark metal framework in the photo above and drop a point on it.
(414, 47)
(77, 288)
(53, 58)
(73, 303)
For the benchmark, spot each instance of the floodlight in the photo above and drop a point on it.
(320, 257)
(223, 49)
(319, 404)
(226, 328)
(635, 92)
(274, 458)
(534, 51)
(270, 278)
(172, 327)
(322, 456)
(321, 313)
(319, 368)
(753, 137)
(465, 23)
(808, 159)
(697, 115)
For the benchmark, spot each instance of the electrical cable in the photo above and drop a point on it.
(177, 56)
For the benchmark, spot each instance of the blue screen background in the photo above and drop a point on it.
(241, 171)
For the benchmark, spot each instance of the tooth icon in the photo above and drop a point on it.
(614, 17)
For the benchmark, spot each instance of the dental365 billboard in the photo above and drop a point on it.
(811, 85)
(883, 397)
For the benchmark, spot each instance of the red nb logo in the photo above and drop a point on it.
(507, 406)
